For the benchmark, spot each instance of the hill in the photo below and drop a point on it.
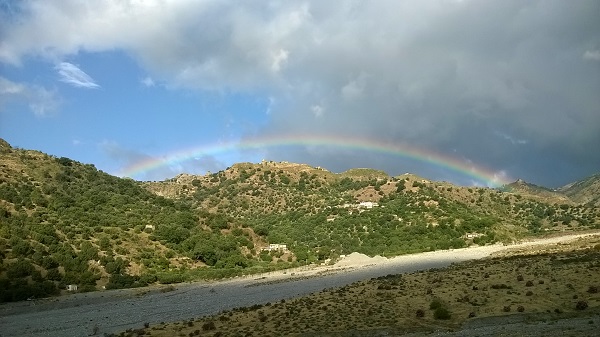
(541, 193)
(67, 223)
(586, 191)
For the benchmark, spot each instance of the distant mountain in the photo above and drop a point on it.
(586, 191)
(66, 223)
(541, 193)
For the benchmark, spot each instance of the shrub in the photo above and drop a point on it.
(520, 308)
(436, 303)
(529, 284)
(420, 313)
(506, 308)
(519, 278)
(529, 293)
(592, 290)
(441, 313)
(581, 305)
(210, 325)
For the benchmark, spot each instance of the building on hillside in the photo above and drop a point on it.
(276, 246)
(72, 287)
(472, 235)
(368, 204)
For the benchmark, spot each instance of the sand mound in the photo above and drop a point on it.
(357, 259)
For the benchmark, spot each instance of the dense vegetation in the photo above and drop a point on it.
(66, 223)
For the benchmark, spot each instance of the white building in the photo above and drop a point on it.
(276, 246)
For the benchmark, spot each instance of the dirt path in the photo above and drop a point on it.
(114, 311)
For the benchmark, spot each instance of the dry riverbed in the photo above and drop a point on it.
(115, 311)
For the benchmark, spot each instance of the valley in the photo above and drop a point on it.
(118, 310)
(82, 251)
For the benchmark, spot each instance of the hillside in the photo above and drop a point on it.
(321, 211)
(538, 192)
(63, 222)
(66, 223)
(586, 191)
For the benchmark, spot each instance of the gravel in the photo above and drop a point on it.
(114, 311)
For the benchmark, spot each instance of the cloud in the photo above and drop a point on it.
(279, 59)
(148, 81)
(41, 101)
(593, 55)
(512, 140)
(71, 74)
(317, 110)
(10, 88)
(443, 75)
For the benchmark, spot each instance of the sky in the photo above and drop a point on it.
(473, 92)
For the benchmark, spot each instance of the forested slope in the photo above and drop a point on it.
(67, 223)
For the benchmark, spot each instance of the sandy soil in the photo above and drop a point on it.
(113, 311)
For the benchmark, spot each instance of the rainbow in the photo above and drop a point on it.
(462, 167)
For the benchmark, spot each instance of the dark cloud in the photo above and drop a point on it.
(511, 85)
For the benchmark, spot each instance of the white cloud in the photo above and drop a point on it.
(148, 81)
(317, 110)
(43, 101)
(10, 88)
(40, 100)
(499, 178)
(71, 74)
(593, 55)
(511, 139)
(355, 88)
(279, 59)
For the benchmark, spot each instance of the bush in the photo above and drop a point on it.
(529, 284)
(520, 308)
(420, 313)
(592, 290)
(441, 313)
(436, 303)
(209, 326)
(581, 305)
(506, 308)
(169, 278)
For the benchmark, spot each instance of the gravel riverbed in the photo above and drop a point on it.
(114, 311)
